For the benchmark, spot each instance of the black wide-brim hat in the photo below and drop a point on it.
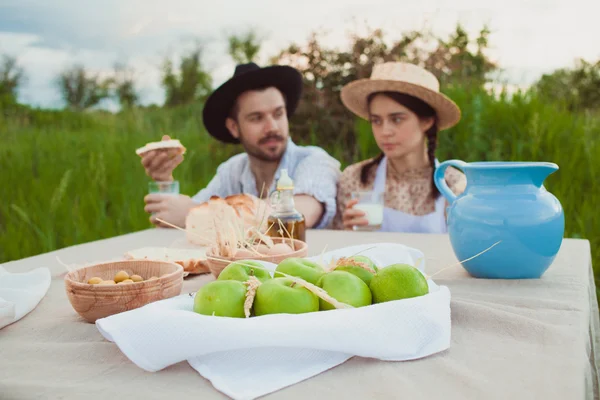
(248, 77)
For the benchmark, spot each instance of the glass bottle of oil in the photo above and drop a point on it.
(285, 220)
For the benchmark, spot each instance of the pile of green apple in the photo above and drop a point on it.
(302, 286)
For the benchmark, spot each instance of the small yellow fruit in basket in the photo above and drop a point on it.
(121, 276)
(107, 283)
(126, 281)
(136, 278)
(94, 281)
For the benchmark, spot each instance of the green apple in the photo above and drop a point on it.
(242, 270)
(300, 268)
(362, 273)
(398, 281)
(221, 298)
(344, 287)
(284, 296)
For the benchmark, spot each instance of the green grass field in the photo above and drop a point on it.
(69, 178)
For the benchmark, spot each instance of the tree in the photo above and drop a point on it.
(460, 60)
(124, 86)
(11, 77)
(244, 48)
(81, 90)
(577, 88)
(191, 83)
(321, 115)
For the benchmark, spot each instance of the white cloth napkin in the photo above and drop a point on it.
(20, 293)
(248, 358)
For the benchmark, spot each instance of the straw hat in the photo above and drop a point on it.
(404, 78)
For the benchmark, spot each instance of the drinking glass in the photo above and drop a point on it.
(371, 203)
(171, 187)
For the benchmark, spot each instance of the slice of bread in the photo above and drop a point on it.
(193, 261)
(163, 144)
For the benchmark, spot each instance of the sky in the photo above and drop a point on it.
(529, 37)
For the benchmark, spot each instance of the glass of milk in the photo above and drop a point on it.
(171, 187)
(371, 203)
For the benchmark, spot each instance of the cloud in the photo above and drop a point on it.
(63, 24)
(42, 67)
(528, 37)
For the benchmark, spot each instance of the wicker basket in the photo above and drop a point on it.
(217, 264)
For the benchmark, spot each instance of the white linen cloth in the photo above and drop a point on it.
(20, 293)
(248, 358)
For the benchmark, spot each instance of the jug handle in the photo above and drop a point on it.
(440, 180)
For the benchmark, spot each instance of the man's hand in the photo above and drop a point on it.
(159, 164)
(169, 208)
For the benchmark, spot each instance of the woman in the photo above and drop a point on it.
(406, 110)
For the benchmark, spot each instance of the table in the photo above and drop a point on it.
(533, 339)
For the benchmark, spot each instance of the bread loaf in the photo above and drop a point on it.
(202, 220)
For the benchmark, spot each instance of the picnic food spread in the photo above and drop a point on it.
(234, 239)
(231, 238)
(497, 320)
(262, 274)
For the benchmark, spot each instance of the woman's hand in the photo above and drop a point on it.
(353, 217)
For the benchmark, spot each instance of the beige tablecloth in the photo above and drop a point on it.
(531, 339)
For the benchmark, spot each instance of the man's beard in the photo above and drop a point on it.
(258, 153)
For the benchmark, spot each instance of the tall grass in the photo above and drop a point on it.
(68, 178)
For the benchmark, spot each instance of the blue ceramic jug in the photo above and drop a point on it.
(506, 202)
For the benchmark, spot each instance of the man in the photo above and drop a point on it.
(252, 108)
